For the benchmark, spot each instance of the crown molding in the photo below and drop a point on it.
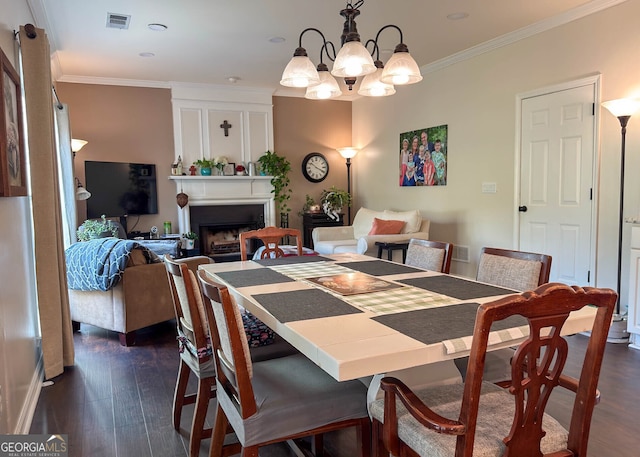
(521, 34)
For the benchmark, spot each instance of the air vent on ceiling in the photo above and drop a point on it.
(118, 21)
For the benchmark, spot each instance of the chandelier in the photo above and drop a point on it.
(351, 62)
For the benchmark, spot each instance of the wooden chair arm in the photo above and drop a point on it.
(571, 384)
(423, 414)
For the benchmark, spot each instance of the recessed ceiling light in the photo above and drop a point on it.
(457, 16)
(146, 54)
(234, 79)
(277, 39)
(157, 27)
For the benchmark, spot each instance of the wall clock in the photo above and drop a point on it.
(315, 167)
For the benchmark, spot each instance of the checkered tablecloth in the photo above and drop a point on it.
(464, 344)
(396, 300)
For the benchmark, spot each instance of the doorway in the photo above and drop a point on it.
(557, 169)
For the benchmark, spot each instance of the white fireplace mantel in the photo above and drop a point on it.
(224, 190)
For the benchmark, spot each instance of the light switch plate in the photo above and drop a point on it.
(489, 188)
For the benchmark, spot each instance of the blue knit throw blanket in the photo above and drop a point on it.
(98, 264)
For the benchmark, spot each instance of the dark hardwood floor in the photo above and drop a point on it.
(116, 401)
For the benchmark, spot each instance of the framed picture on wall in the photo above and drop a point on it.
(423, 157)
(13, 181)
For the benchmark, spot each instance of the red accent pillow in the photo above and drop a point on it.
(383, 227)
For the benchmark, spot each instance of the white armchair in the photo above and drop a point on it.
(356, 238)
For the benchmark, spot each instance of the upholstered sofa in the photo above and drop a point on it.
(390, 226)
(140, 298)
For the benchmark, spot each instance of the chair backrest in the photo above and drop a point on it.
(230, 348)
(271, 237)
(430, 255)
(191, 318)
(516, 270)
(536, 369)
(546, 308)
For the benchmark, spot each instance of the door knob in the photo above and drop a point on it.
(522, 209)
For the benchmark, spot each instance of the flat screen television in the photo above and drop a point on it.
(120, 189)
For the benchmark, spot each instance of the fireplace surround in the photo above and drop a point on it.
(220, 206)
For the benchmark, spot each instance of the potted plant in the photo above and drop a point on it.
(333, 200)
(205, 166)
(240, 170)
(97, 228)
(189, 240)
(310, 206)
(278, 168)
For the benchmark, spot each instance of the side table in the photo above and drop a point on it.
(317, 219)
(390, 247)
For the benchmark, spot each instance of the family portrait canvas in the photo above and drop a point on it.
(423, 157)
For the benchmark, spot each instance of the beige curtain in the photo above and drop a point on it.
(53, 300)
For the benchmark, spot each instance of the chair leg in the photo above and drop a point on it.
(219, 432)
(363, 431)
(378, 445)
(318, 444)
(199, 415)
(178, 396)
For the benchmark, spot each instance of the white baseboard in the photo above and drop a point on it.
(29, 408)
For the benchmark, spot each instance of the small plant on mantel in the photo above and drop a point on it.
(278, 168)
(190, 236)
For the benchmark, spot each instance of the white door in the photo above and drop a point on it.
(556, 180)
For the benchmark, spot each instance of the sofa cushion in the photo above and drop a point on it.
(363, 221)
(386, 227)
(335, 246)
(413, 219)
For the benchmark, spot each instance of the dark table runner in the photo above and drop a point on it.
(305, 304)
(456, 287)
(433, 325)
(253, 277)
(293, 259)
(379, 267)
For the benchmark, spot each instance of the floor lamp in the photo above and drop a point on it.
(348, 153)
(623, 109)
(81, 192)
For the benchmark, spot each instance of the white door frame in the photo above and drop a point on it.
(594, 80)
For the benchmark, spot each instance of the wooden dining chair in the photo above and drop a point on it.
(517, 270)
(271, 237)
(274, 400)
(195, 351)
(480, 418)
(430, 255)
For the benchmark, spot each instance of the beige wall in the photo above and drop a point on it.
(477, 99)
(302, 126)
(125, 124)
(19, 349)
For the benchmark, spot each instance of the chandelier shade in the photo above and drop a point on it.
(352, 61)
(327, 87)
(300, 72)
(401, 69)
(372, 86)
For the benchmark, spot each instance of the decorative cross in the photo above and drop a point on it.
(226, 126)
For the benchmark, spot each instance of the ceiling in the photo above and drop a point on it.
(211, 41)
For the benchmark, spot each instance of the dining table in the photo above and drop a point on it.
(357, 316)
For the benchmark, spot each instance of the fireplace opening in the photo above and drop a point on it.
(219, 227)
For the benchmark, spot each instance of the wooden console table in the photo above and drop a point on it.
(317, 219)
